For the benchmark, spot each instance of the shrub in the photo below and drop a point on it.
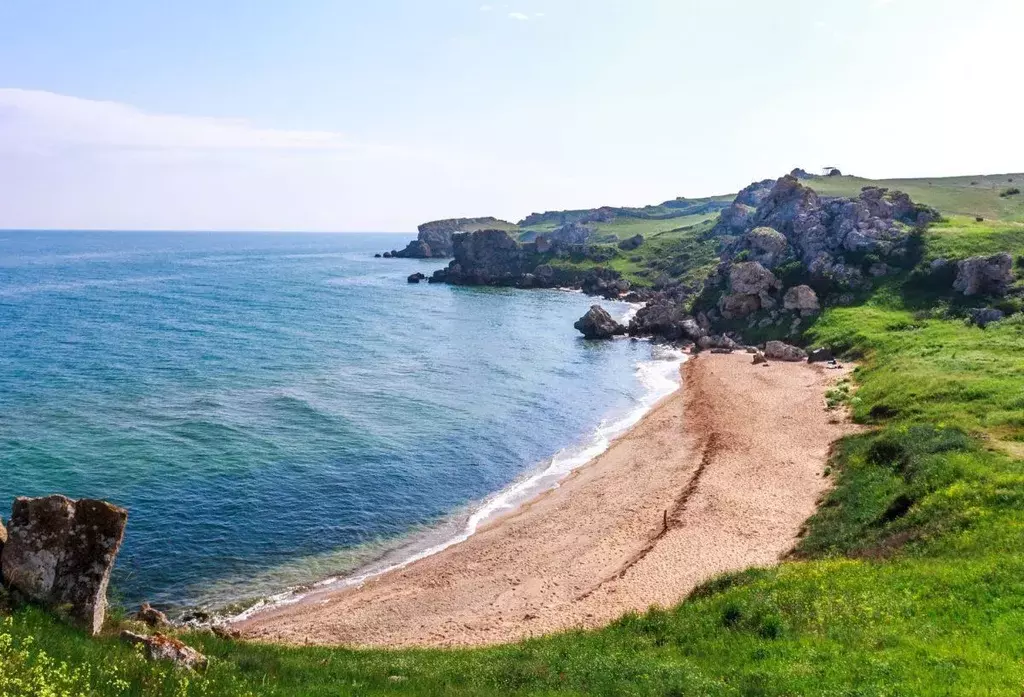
(1012, 191)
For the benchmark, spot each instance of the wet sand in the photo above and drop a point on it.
(720, 476)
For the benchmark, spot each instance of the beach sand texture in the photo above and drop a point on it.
(733, 464)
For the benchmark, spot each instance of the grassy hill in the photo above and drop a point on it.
(909, 580)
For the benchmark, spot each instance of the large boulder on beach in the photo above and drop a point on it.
(779, 351)
(60, 553)
(984, 275)
(598, 324)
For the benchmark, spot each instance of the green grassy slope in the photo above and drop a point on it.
(909, 580)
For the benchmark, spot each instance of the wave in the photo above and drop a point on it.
(660, 378)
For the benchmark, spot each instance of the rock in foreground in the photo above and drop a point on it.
(984, 275)
(598, 324)
(779, 351)
(164, 648)
(60, 553)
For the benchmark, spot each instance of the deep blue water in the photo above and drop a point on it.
(274, 408)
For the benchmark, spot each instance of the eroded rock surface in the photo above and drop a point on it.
(164, 648)
(598, 324)
(984, 275)
(60, 553)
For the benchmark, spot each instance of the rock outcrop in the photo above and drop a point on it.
(766, 246)
(598, 324)
(631, 243)
(151, 617)
(60, 553)
(665, 316)
(984, 275)
(779, 351)
(750, 278)
(435, 238)
(164, 648)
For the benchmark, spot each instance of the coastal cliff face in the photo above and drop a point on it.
(435, 238)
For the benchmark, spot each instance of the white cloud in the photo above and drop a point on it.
(486, 8)
(519, 16)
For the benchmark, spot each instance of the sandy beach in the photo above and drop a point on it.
(719, 476)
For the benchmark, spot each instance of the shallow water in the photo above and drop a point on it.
(275, 409)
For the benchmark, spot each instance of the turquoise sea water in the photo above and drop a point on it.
(278, 408)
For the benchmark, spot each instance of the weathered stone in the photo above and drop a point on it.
(984, 275)
(779, 351)
(766, 246)
(164, 648)
(759, 358)
(738, 305)
(718, 341)
(416, 277)
(151, 616)
(61, 552)
(801, 299)
(750, 278)
(598, 324)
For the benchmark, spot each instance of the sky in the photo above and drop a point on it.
(336, 115)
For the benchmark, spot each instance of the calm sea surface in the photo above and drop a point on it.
(277, 408)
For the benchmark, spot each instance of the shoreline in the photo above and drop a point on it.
(661, 376)
(689, 491)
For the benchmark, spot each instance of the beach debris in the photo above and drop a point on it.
(60, 553)
(160, 647)
(152, 617)
(779, 351)
(416, 277)
(984, 275)
(820, 355)
(598, 324)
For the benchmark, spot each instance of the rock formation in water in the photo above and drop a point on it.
(598, 324)
(60, 553)
(435, 238)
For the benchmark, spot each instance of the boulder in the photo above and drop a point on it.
(801, 299)
(767, 246)
(164, 648)
(60, 553)
(985, 316)
(416, 277)
(738, 305)
(820, 355)
(377, 255)
(751, 278)
(631, 243)
(759, 358)
(598, 324)
(779, 351)
(984, 275)
(152, 617)
(719, 341)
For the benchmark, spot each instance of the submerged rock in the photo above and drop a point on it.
(598, 324)
(416, 277)
(61, 552)
(984, 275)
(779, 351)
(164, 648)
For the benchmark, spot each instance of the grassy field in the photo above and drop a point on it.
(908, 581)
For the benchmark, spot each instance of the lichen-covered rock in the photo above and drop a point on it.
(164, 648)
(598, 324)
(60, 553)
(801, 299)
(750, 278)
(766, 245)
(984, 275)
(779, 351)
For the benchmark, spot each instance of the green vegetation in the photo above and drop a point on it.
(908, 581)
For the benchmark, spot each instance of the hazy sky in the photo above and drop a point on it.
(377, 115)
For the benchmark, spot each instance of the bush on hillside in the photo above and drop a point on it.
(1012, 191)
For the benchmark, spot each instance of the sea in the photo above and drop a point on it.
(282, 410)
